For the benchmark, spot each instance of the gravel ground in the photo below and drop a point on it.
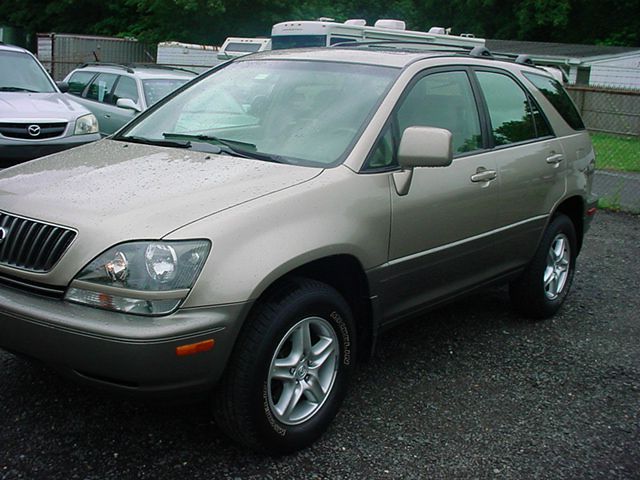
(469, 391)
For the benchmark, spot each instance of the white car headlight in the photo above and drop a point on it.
(86, 124)
(144, 278)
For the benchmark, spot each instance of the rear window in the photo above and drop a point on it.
(558, 97)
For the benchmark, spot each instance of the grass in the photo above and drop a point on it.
(617, 153)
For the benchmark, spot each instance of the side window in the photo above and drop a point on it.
(444, 100)
(100, 88)
(126, 88)
(78, 81)
(542, 127)
(509, 109)
(558, 97)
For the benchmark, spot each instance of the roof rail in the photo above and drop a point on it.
(524, 59)
(389, 44)
(480, 51)
(130, 66)
(106, 64)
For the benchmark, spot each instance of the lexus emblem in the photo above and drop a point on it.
(3, 234)
(34, 130)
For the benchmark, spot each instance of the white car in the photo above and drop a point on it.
(36, 119)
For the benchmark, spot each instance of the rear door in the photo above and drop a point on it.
(531, 164)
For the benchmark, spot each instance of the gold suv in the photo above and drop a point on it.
(254, 232)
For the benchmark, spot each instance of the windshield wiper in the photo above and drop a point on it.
(229, 146)
(17, 89)
(151, 141)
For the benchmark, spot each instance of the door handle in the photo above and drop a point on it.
(554, 159)
(106, 115)
(484, 175)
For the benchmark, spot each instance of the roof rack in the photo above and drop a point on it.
(478, 51)
(389, 44)
(128, 67)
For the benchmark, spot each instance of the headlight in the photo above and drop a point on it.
(145, 278)
(86, 124)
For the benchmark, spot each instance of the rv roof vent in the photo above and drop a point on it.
(326, 19)
(358, 22)
(438, 30)
(392, 24)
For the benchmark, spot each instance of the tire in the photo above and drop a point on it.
(540, 291)
(289, 370)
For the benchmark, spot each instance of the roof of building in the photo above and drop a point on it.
(566, 50)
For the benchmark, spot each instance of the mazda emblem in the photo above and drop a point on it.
(3, 234)
(34, 130)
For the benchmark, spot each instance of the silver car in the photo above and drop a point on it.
(36, 119)
(117, 93)
(255, 233)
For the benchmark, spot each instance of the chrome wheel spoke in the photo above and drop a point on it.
(281, 370)
(314, 391)
(321, 351)
(301, 340)
(291, 394)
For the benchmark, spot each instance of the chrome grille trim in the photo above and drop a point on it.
(32, 245)
(21, 130)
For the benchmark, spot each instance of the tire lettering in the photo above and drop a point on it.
(344, 331)
(265, 405)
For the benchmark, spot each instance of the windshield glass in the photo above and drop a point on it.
(20, 72)
(158, 88)
(295, 111)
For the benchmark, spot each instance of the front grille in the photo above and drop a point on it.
(32, 131)
(31, 245)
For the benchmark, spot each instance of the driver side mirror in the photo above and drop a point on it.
(425, 147)
(63, 86)
(128, 104)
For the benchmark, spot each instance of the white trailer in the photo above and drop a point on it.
(325, 32)
(198, 58)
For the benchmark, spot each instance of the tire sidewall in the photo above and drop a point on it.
(278, 436)
(559, 225)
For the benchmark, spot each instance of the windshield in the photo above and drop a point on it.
(20, 72)
(293, 111)
(158, 88)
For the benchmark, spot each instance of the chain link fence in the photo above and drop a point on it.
(612, 116)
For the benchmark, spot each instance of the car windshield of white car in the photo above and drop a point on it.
(20, 72)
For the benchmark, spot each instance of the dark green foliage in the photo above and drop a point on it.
(610, 22)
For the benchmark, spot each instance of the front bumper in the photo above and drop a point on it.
(123, 352)
(14, 151)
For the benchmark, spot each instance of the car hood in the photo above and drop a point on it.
(23, 106)
(113, 191)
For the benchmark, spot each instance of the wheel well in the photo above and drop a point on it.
(573, 208)
(346, 275)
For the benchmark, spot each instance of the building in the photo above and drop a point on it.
(589, 65)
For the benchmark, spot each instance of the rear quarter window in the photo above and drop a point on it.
(558, 97)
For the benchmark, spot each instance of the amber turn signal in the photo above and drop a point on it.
(193, 348)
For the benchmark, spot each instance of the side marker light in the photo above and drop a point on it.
(193, 348)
